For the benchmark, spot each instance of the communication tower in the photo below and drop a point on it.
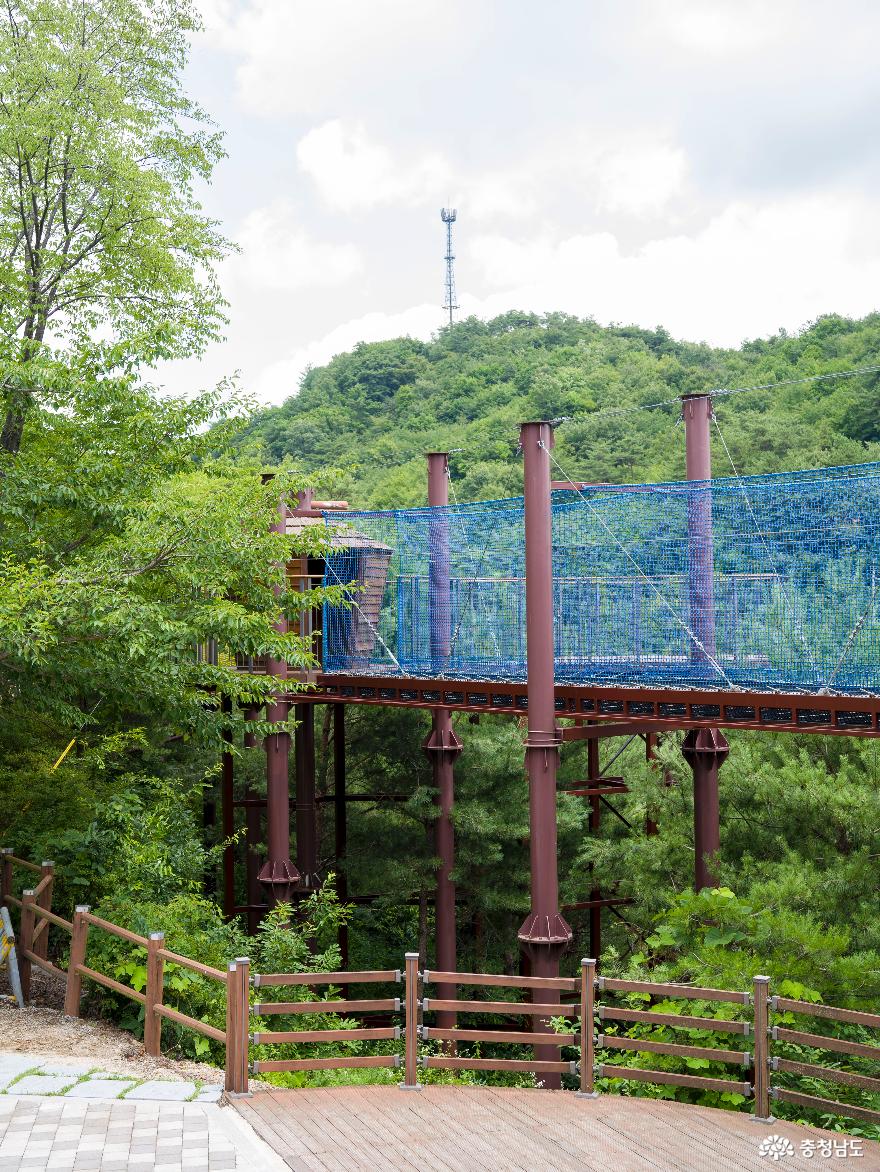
(447, 215)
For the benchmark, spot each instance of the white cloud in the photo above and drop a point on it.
(277, 253)
(352, 171)
(639, 180)
(750, 270)
(297, 55)
(724, 28)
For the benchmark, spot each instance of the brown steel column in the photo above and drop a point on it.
(705, 749)
(544, 932)
(253, 838)
(340, 821)
(594, 778)
(227, 797)
(442, 746)
(306, 823)
(278, 874)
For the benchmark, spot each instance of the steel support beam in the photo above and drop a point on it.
(306, 820)
(340, 822)
(544, 933)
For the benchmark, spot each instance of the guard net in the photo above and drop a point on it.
(764, 582)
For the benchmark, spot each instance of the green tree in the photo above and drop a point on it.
(100, 232)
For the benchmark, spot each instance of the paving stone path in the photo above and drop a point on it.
(75, 1118)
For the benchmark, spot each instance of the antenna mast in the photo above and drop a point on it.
(447, 215)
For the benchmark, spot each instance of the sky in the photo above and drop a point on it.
(711, 166)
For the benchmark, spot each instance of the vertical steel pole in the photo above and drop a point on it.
(253, 831)
(278, 874)
(704, 749)
(411, 1025)
(594, 778)
(544, 932)
(588, 995)
(651, 827)
(442, 746)
(761, 1072)
(340, 828)
(306, 821)
(227, 797)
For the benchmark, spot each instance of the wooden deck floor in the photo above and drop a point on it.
(483, 1129)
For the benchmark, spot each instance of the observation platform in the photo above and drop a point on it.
(472, 1129)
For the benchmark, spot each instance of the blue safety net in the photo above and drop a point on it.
(764, 582)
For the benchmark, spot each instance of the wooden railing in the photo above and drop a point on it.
(833, 1045)
(36, 916)
(752, 1025)
(325, 1036)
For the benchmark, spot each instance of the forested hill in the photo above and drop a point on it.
(374, 411)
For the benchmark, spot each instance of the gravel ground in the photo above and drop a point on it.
(41, 1028)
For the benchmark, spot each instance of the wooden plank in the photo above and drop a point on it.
(499, 1064)
(829, 1074)
(24, 863)
(192, 1023)
(517, 1037)
(677, 1080)
(273, 1126)
(266, 1008)
(825, 1105)
(820, 1042)
(196, 966)
(115, 930)
(352, 1062)
(59, 921)
(431, 1004)
(109, 983)
(733, 1057)
(612, 1013)
(489, 980)
(855, 1016)
(282, 1037)
(666, 989)
(378, 976)
(45, 965)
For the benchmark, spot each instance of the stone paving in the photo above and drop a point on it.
(73, 1117)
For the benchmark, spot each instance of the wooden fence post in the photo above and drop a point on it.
(5, 873)
(155, 979)
(588, 995)
(44, 900)
(411, 1025)
(237, 1025)
(28, 899)
(78, 943)
(761, 1073)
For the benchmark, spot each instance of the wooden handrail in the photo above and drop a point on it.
(667, 989)
(44, 964)
(43, 884)
(516, 1037)
(283, 1037)
(377, 976)
(490, 980)
(811, 1009)
(354, 1063)
(514, 1007)
(680, 1021)
(732, 1057)
(24, 863)
(826, 1106)
(192, 1023)
(829, 1074)
(697, 1082)
(204, 970)
(59, 921)
(115, 930)
(513, 1064)
(821, 1042)
(265, 1008)
(108, 982)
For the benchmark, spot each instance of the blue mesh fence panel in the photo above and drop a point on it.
(786, 597)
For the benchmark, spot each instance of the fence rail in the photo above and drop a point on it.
(761, 1069)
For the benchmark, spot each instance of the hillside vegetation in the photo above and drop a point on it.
(373, 412)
